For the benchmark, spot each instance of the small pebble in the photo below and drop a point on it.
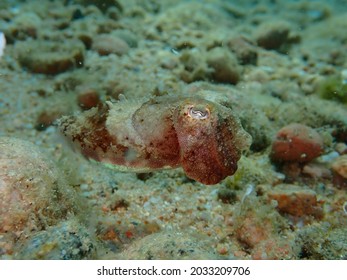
(46, 119)
(227, 196)
(341, 148)
(316, 171)
(340, 166)
(106, 44)
(88, 99)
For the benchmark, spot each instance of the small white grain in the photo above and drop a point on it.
(2, 43)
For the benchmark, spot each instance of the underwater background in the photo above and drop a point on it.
(242, 103)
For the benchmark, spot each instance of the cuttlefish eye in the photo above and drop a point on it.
(199, 113)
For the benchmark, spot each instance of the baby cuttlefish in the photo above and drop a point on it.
(206, 139)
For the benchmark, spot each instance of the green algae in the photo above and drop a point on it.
(333, 88)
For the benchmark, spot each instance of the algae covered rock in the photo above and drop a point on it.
(273, 35)
(50, 57)
(194, 68)
(106, 44)
(33, 195)
(68, 240)
(333, 88)
(168, 246)
(244, 50)
(225, 66)
(322, 242)
(24, 25)
(339, 167)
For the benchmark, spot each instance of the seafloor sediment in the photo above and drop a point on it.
(280, 66)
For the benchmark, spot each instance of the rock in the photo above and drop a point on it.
(296, 201)
(245, 52)
(333, 87)
(341, 148)
(23, 26)
(46, 119)
(168, 246)
(69, 240)
(169, 63)
(194, 68)
(272, 35)
(106, 44)
(33, 195)
(296, 143)
(227, 196)
(260, 130)
(340, 133)
(88, 99)
(252, 231)
(316, 171)
(50, 57)
(322, 242)
(129, 37)
(225, 66)
(339, 167)
(256, 230)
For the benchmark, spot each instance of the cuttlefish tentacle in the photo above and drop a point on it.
(203, 137)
